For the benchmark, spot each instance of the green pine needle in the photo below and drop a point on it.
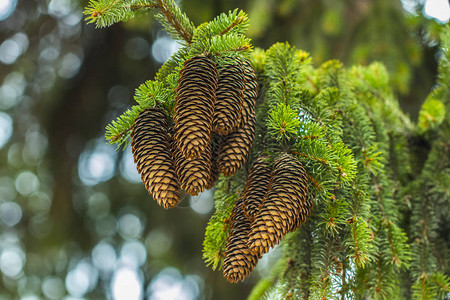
(118, 132)
(217, 229)
(104, 13)
(235, 22)
(283, 122)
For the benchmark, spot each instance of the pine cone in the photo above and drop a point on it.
(229, 93)
(283, 207)
(214, 170)
(239, 260)
(235, 148)
(194, 174)
(194, 106)
(152, 155)
(250, 92)
(256, 187)
(304, 213)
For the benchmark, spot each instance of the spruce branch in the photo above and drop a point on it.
(217, 229)
(107, 12)
(360, 242)
(231, 45)
(283, 122)
(314, 182)
(235, 22)
(174, 21)
(318, 159)
(119, 130)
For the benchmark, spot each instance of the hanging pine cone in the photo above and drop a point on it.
(250, 92)
(235, 148)
(150, 141)
(194, 174)
(239, 260)
(229, 93)
(256, 187)
(214, 171)
(284, 204)
(304, 213)
(194, 106)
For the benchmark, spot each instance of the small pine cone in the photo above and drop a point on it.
(284, 204)
(150, 141)
(194, 174)
(235, 148)
(229, 94)
(239, 260)
(256, 187)
(194, 106)
(250, 92)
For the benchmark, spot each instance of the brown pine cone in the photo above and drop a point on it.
(214, 170)
(194, 174)
(229, 94)
(250, 92)
(194, 106)
(150, 141)
(284, 204)
(256, 187)
(239, 260)
(235, 148)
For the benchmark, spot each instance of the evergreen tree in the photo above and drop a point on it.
(355, 193)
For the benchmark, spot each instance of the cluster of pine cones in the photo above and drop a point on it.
(213, 130)
(274, 202)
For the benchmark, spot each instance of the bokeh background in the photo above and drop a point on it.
(75, 220)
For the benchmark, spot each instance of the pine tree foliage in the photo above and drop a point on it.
(219, 224)
(376, 185)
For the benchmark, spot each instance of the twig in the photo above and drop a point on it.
(140, 6)
(162, 6)
(312, 157)
(120, 135)
(234, 24)
(96, 14)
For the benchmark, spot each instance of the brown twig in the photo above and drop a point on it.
(311, 157)
(314, 182)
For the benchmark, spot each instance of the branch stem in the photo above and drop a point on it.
(164, 9)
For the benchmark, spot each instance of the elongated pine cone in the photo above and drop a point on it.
(250, 92)
(214, 171)
(194, 106)
(256, 187)
(194, 174)
(283, 207)
(150, 141)
(235, 147)
(229, 93)
(239, 260)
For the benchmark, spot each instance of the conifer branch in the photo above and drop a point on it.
(235, 23)
(320, 160)
(314, 182)
(142, 6)
(107, 12)
(177, 21)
